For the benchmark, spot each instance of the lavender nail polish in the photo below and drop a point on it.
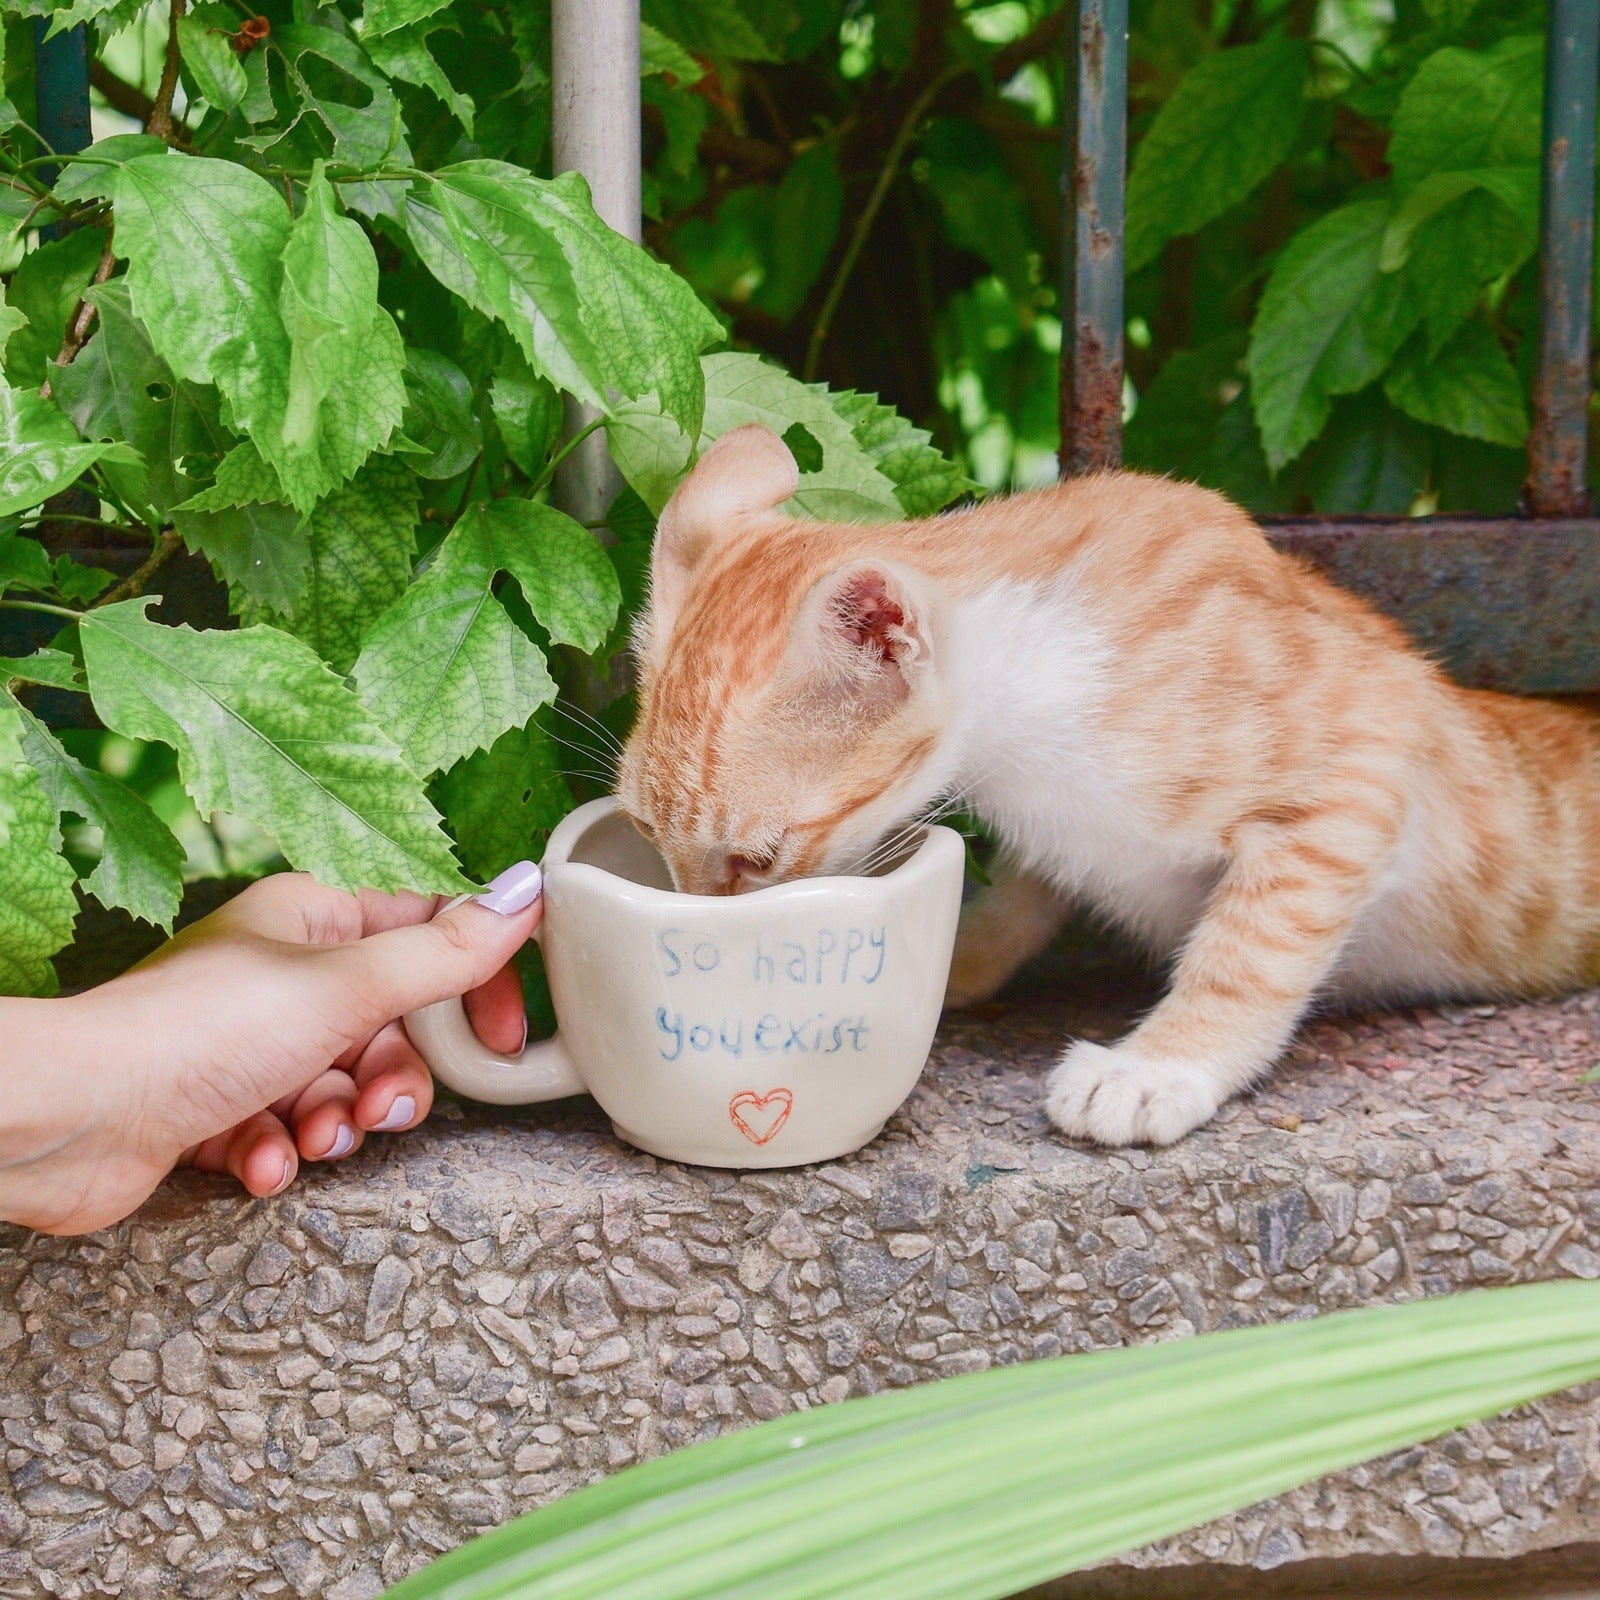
(343, 1144)
(400, 1113)
(288, 1173)
(514, 890)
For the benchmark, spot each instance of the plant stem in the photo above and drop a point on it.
(561, 455)
(40, 605)
(858, 239)
(131, 587)
(159, 121)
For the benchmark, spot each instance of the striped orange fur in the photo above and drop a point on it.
(1158, 714)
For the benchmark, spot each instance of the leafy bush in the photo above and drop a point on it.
(320, 325)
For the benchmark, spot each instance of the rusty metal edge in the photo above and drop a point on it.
(1501, 602)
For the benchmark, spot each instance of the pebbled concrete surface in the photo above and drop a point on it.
(313, 1395)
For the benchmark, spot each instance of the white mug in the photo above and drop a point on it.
(767, 1029)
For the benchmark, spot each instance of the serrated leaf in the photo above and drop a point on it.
(385, 16)
(1328, 323)
(661, 56)
(76, 582)
(501, 803)
(46, 288)
(1229, 124)
(92, 175)
(527, 410)
(40, 451)
(118, 388)
(924, 479)
(1469, 109)
(266, 731)
(440, 419)
(23, 563)
(589, 310)
(564, 575)
(1370, 460)
(1469, 387)
(51, 669)
(216, 71)
(37, 903)
(258, 550)
(445, 669)
(653, 453)
(10, 321)
(215, 267)
(359, 544)
(404, 54)
(141, 864)
(243, 478)
(361, 114)
(713, 27)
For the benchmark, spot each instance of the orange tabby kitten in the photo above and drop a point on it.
(1156, 713)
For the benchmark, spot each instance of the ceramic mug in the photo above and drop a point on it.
(766, 1029)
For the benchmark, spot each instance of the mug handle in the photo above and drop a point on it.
(460, 1060)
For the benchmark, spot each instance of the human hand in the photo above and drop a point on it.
(262, 1035)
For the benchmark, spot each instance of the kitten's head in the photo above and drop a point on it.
(791, 704)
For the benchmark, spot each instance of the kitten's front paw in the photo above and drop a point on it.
(1116, 1097)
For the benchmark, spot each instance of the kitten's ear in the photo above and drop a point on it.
(745, 473)
(868, 627)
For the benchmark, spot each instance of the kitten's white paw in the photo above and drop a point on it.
(1117, 1097)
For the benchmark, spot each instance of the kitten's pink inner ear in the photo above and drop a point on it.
(871, 617)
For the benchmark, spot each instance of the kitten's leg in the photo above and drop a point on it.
(1002, 926)
(1265, 944)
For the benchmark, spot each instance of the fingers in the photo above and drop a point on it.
(295, 908)
(495, 1011)
(402, 969)
(395, 1087)
(323, 1118)
(258, 1152)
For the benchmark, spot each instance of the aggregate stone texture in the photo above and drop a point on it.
(315, 1395)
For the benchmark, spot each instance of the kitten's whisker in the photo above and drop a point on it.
(589, 723)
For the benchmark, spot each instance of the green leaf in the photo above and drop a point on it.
(337, 86)
(282, 317)
(962, 167)
(710, 27)
(1370, 461)
(566, 578)
(805, 222)
(37, 903)
(404, 54)
(1465, 110)
(501, 803)
(653, 453)
(527, 410)
(660, 56)
(258, 550)
(385, 16)
(10, 321)
(76, 582)
(40, 451)
(141, 864)
(1328, 323)
(216, 71)
(23, 564)
(440, 418)
(445, 669)
(1232, 120)
(46, 288)
(92, 174)
(1469, 387)
(118, 388)
(265, 730)
(242, 479)
(987, 1484)
(360, 540)
(51, 669)
(925, 480)
(590, 311)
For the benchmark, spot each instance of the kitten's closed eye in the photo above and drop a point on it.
(752, 863)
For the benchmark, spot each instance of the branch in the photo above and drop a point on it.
(130, 100)
(869, 215)
(159, 121)
(167, 546)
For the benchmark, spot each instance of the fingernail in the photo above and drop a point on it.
(400, 1113)
(523, 1044)
(514, 890)
(343, 1144)
(288, 1175)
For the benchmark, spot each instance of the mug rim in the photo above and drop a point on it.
(564, 839)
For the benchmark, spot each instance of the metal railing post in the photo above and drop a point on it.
(595, 131)
(1558, 447)
(61, 74)
(1093, 184)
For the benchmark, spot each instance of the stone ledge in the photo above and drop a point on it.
(314, 1395)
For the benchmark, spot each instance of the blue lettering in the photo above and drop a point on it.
(706, 955)
(735, 1045)
(795, 1042)
(671, 954)
(795, 966)
(879, 942)
(762, 956)
(853, 941)
(825, 949)
(700, 1037)
(838, 1039)
(766, 1028)
(857, 1030)
(673, 1030)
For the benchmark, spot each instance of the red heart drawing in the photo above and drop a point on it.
(771, 1112)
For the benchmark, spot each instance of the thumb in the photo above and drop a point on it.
(404, 969)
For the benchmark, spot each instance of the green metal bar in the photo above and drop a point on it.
(1558, 446)
(1093, 181)
(61, 68)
